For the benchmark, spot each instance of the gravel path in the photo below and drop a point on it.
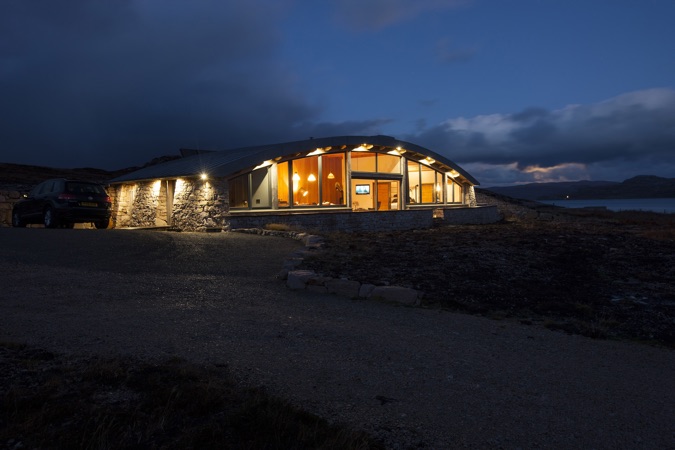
(413, 377)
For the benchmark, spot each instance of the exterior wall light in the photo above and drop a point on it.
(203, 176)
(263, 164)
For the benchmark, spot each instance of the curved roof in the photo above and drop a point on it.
(228, 162)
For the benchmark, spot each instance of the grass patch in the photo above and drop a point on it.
(49, 401)
(278, 227)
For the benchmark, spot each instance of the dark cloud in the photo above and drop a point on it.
(120, 82)
(629, 127)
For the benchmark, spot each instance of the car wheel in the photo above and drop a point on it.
(49, 218)
(16, 220)
(102, 224)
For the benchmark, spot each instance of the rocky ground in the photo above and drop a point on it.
(600, 274)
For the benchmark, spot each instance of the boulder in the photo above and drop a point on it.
(297, 279)
(366, 290)
(343, 288)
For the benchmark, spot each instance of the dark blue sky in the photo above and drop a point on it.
(514, 91)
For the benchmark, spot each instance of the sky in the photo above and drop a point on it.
(514, 91)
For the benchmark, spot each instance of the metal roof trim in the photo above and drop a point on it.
(227, 162)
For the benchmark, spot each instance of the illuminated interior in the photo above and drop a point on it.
(362, 178)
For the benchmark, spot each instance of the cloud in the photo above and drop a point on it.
(631, 127)
(120, 82)
(363, 15)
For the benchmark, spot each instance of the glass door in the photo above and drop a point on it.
(375, 194)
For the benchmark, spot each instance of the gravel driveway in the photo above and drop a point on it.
(410, 376)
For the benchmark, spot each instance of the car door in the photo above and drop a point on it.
(30, 206)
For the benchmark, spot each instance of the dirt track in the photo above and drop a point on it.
(411, 376)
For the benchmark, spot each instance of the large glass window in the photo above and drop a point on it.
(363, 162)
(431, 188)
(333, 179)
(424, 184)
(306, 181)
(388, 163)
(322, 180)
(414, 183)
(283, 185)
(453, 191)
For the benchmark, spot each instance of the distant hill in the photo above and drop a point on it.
(19, 175)
(642, 186)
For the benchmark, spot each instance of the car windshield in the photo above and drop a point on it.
(84, 188)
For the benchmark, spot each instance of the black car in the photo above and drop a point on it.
(61, 203)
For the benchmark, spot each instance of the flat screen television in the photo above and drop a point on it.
(362, 189)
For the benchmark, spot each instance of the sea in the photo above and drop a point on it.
(659, 205)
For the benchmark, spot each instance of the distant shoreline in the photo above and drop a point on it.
(659, 205)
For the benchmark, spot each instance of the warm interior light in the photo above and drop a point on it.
(331, 176)
(296, 177)
(305, 194)
(311, 177)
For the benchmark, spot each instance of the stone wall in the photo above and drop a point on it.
(196, 205)
(469, 216)
(200, 205)
(7, 200)
(122, 200)
(367, 221)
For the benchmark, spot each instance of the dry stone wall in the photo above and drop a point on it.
(7, 200)
(196, 205)
(200, 205)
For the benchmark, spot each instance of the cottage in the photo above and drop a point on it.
(335, 183)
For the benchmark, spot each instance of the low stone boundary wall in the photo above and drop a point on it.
(469, 216)
(368, 221)
(7, 200)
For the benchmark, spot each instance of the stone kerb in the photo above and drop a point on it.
(297, 279)
(311, 281)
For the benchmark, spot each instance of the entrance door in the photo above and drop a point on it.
(375, 195)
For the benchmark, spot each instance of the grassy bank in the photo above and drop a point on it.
(53, 401)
